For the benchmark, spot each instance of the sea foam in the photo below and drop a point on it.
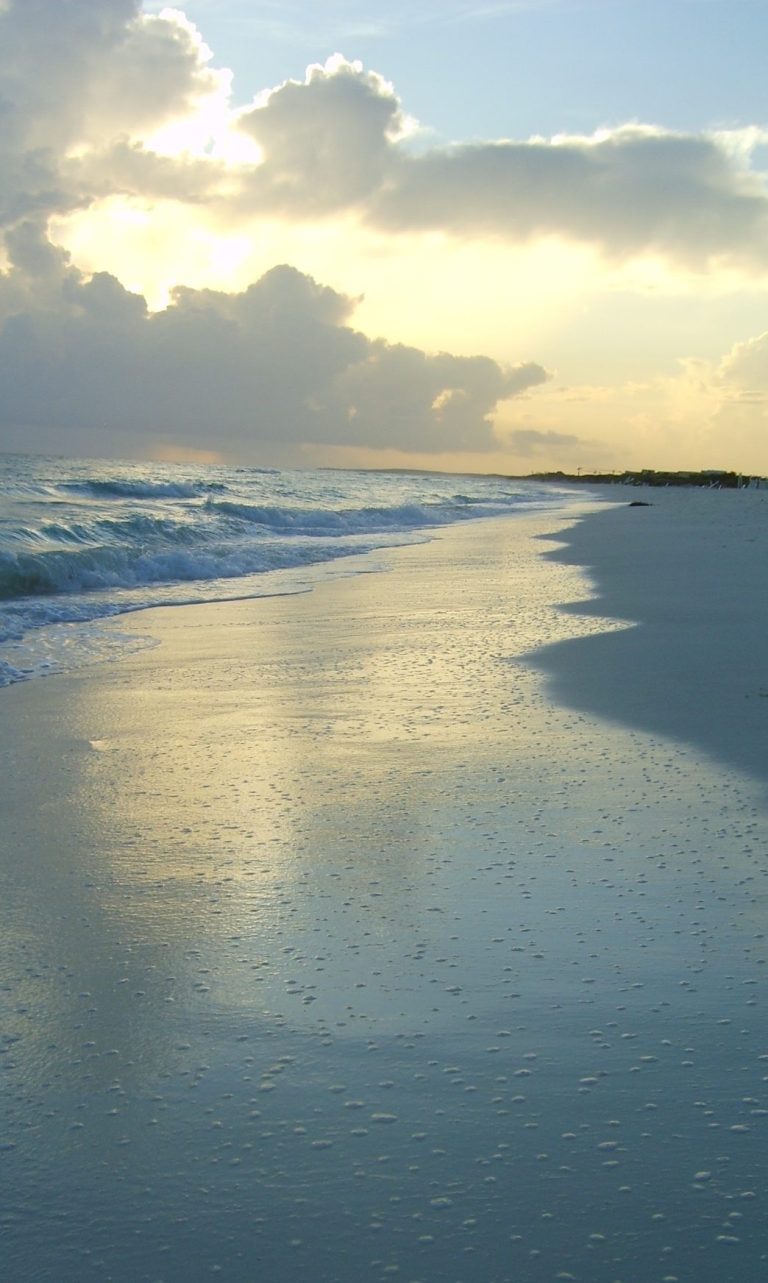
(82, 541)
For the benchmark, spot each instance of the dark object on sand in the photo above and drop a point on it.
(640, 503)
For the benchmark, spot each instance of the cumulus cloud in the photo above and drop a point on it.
(85, 71)
(102, 102)
(335, 141)
(746, 365)
(276, 363)
(431, 402)
(83, 85)
(327, 142)
(86, 89)
(632, 191)
(89, 87)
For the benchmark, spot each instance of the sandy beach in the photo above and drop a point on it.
(690, 570)
(412, 928)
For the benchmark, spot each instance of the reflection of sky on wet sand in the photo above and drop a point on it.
(332, 950)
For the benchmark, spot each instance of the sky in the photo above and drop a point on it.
(470, 235)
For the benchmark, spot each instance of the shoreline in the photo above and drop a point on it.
(99, 542)
(333, 947)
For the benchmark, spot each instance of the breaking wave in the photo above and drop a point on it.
(82, 541)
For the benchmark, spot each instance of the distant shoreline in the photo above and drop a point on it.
(710, 479)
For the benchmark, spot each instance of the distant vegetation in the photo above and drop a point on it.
(713, 480)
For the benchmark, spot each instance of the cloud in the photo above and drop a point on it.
(96, 97)
(633, 191)
(91, 92)
(276, 363)
(530, 441)
(336, 141)
(327, 143)
(81, 72)
(107, 109)
(400, 396)
(80, 81)
(746, 365)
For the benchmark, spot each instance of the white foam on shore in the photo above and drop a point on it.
(82, 541)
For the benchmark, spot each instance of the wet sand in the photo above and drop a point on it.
(350, 936)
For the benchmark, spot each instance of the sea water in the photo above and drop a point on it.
(85, 540)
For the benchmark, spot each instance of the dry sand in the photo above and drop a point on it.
(334, 947)
(691, 573)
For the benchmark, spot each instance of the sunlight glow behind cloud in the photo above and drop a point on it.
(126, 149)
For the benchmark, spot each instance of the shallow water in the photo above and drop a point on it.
(363, 960)
(85, 540)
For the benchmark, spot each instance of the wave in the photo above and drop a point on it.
(217, 539)
(81, 541)
(62, 572)
(121, 488)
(329, 522)
(82, 585)
(9, 674)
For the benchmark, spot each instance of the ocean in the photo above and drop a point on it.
(82, 541)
